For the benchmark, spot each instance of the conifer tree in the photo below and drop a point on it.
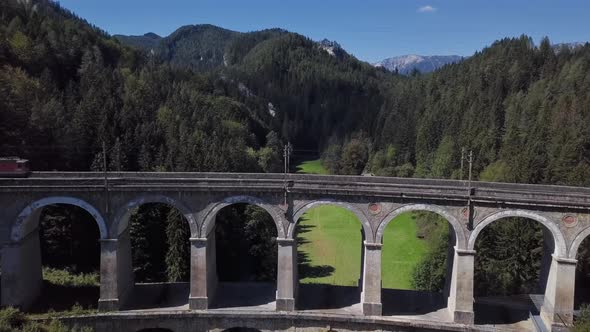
(178, 254)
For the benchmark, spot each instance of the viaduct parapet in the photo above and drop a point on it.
(563, 211)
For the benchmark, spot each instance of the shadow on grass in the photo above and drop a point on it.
(241, 329)
(302, 229)
(411, 302)
(582, 294)
(62, 298)
(322, 296)
(305, 269)
(158, 295)
(244, 294)
(320, 271)
(503, 309)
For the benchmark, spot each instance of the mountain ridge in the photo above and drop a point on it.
(204, 47)
(146, 41)
(405, 64)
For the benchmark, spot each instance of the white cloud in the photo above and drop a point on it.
(426, 9)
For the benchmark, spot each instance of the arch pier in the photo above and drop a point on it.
(563, 211)
(22, 276)
(116, 272)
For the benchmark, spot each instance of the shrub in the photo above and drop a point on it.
(582, 323)
(66, 278)
(11, 319)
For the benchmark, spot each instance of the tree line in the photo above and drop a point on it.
(66, 87)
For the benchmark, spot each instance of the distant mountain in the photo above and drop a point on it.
(204, 47)
(200, 47)
(299, 87)
(405, 64)
(570, 46)
(332, 47)
(148, 41)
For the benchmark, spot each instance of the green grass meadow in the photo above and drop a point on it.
(331, 236)
(330, 240)
(402, 250)
(311, 167)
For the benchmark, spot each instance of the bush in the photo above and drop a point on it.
(57, 326)
(582, 323)
(66, 278)
(430, 273)
(11, 319)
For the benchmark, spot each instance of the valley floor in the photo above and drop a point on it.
(330, 245)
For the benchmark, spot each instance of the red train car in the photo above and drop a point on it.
(14, 167)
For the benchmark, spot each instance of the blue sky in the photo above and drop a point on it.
(369, 29)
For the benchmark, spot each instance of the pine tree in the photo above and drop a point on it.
(178, 254)
(118, 159)
(148, 242)
(260, 231)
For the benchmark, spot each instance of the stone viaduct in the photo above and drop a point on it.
(563, 211)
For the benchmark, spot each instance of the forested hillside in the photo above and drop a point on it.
(210, 99)
(315, 93)
(521, 108)
(149, 41)
(67, 87)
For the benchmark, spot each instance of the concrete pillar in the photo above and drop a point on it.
(286, 274)
(22, 276)
(203, 279)
(558, 305)
(362, 266)
(212, 279)
(116, 272)
(371, 293)
(460, 302)
(450, 261)
(547, 259)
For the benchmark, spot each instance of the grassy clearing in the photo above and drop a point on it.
(311, 167)
(75, 310)
(65, 294)
(402, 250)
(66, 278)
(330, 242)
(330, 239)
(13, 320)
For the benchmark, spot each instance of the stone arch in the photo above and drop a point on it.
(573, 252)
(558, 238)
(455, 224)
(367, 229)
(121, 222)
(209, 217)
(21, 226)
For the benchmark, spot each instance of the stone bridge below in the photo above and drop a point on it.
(564, 213)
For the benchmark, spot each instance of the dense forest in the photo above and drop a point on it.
(210, 99)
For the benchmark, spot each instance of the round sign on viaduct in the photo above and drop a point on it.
(563, 211)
